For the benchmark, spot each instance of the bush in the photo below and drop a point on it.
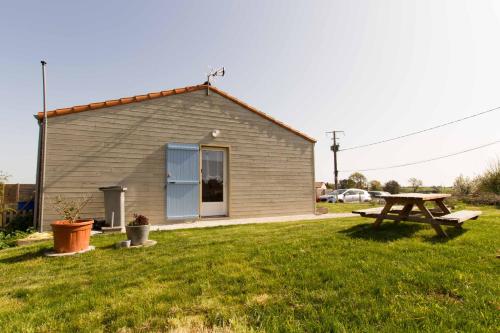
(346, 183)
(489, 181)
(19, 227)
(20, 223)
(463, 185)
(69, 209)
(482, 190)
(8, 239)
(139, 220)
(358, 179)
(375, 185)
(392, 187)
(479, 199)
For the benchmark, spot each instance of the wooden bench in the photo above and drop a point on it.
(377, 210)
(460, 216)
(369, 211)
(394, 209)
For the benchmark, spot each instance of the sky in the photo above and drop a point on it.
(374, 69)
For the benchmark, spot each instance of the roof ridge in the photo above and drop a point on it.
(164, 93)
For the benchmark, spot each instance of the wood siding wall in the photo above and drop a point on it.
(271, 168)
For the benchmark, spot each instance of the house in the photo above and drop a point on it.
(320, 188)
(182, 154)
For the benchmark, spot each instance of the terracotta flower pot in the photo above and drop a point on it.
(71, 237)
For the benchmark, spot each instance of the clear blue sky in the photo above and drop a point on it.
(374, 69)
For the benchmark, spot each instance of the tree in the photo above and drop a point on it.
(375, 185)
(489, 181)
(415, 183)
(392, 187)
(437, 189)
(463, 185)
(359, 180)
(346, 183)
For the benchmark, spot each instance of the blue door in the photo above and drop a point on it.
(183, 181)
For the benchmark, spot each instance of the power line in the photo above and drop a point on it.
(422, 131)
(425, 161)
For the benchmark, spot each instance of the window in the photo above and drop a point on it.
(212, 176)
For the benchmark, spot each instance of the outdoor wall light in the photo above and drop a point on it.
(215, 133)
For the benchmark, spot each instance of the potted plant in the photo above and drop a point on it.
(138, 230)
(71, 234)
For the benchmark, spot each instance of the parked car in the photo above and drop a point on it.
(332, 196)
(377, 194)
(354, 195)
(347, 195)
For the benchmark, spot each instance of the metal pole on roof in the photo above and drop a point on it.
(41, 158)
(208, 84)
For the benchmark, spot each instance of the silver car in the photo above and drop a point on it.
(332, 196)
(354, 195)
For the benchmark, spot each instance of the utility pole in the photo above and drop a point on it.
(335, 149)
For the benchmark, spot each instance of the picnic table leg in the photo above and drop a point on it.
(380, 218)
(446, 210)
(435, 224)
(443, 207)
(404, 213)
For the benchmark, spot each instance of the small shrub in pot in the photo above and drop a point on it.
(138, 230)
(71, 234)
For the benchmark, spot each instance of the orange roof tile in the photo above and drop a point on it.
(163, 93)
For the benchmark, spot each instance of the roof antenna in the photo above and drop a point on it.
(212, 74)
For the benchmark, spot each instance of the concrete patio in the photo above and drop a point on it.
(217, 222)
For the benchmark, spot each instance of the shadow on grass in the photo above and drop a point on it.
(388, 232)
(450, 231)
(23, 257)
(107, 247)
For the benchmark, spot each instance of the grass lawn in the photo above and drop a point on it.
(327, 275)
(346, 207)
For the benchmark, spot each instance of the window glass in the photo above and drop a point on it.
(212, 170)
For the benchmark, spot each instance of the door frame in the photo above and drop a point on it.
(228, 168)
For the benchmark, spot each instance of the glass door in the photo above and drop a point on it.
(214, 182)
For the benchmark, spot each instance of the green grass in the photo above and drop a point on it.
(346, 207)
(328, 275)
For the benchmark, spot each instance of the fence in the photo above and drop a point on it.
(17, 200)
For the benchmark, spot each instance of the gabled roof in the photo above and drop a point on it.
(164, 93)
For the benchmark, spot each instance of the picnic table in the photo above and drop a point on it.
(411, 207)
